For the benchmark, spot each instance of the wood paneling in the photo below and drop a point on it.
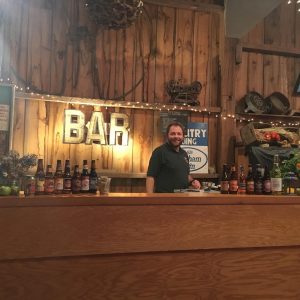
(217, 274)
(36, 231)
(151, 246)
(55, 49)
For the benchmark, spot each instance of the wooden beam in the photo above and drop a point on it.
(270, 49)
(188, 4)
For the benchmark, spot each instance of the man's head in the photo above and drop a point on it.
(175, 134)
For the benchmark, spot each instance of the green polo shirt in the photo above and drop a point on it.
(169, 168)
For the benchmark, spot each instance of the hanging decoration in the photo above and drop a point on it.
(183, 93)
(114, 14)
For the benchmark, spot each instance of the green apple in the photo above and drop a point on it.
(5, 190)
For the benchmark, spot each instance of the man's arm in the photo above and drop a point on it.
(150, 184)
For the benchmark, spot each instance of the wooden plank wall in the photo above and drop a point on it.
(267, 73)
(53, 47)
(49, 54)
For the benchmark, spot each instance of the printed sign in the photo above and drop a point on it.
(7, 96)
(196, 145)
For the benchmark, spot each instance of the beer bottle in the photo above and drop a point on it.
(40, 178)
(276, 177)
(58, 178)
(85, 178)
(93, 178)
(76, 181)
(242, 181)
(267, 182)
(49, 181)
(225, 180)
(67, 178)
(233, 181)
(258, 181)
(250, 181)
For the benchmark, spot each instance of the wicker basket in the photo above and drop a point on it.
(249, 135)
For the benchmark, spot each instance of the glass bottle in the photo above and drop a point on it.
(233, 181)
(85, 178)
(67, 178)
(76, 181)
(93, 178)
(225, 180)
(40, 178)
(276, 177)
(242, 181)
(58, 178)
(250, 181)
(267, 182)
(258, 180)
(49, 181)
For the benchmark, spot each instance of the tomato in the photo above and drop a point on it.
(267, 136)
(273, 135)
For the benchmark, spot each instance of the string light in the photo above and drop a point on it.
(297, 4)
(26, 93)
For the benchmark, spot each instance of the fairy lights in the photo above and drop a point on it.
(27, 93)
(297, 4)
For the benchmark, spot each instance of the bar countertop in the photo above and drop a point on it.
(136, 199)
(126, 245)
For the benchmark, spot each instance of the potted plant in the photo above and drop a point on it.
(12, 169)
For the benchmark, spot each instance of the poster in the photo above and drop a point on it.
(171, 116)
(7, 94)
(196, 145)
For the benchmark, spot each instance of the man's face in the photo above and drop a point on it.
(175, 136)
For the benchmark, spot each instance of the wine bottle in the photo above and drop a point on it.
(40, 178)
(250, 181)
(276, 177)
(233, 181)
(49, 181)
(242, 181)
(93, 178)
(225, 180)
(58, 178)
(76, 181)
(67, 179)
(85, 178)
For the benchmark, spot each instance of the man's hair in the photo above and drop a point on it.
(175, 123)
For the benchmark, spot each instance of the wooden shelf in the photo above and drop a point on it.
(247, 116)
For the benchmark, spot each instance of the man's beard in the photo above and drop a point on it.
(175, 142)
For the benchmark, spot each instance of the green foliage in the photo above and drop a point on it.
(12, 166)
(292, 164)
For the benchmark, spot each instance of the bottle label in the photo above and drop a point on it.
(76, 185)
(258, 187)
(276, 184)
(59, 184)
(49, 185)
(250, 187)
(85, 183)
(93, 183)
(242, 187)
(233, 185)
(40, 185)
(67, 184)
(267, 186)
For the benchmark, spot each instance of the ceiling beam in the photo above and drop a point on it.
(188, 4)
(242, 15)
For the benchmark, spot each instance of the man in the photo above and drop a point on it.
(168, 168)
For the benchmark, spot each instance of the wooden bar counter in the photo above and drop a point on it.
(150, 246)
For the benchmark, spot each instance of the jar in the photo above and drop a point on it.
(29, 185)
(289, 183)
